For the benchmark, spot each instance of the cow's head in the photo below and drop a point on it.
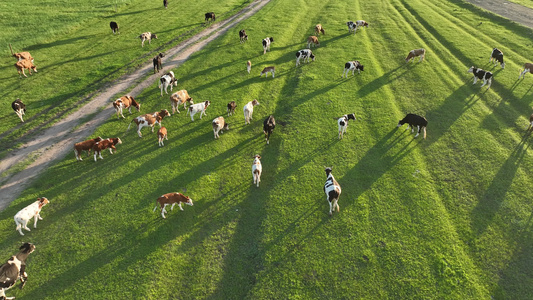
(255, 102)
(153, 36)
(42, 201)
(207, 104)
(328, 171)
(312, 56)
(27, 248)
(163, 113)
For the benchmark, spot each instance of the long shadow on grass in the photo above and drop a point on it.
(58, 43)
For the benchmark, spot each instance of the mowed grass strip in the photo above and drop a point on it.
(446, 217)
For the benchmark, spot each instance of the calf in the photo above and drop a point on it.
(266, 44)
(149, 120)
(200, 107)
(414, 53)
(248, 66)
(268, 127)
(218, 125)
(167, 80)
(179, 98)
(157, 62)
(25, 64)
(343, 123)
(31, 211)
(231, 108)
(147, 36)
(257, 169)
(105, 144)
(19, 108)
(352, 66)
(249, 110)
(304, 55)
(114, 27)
(265, 71)
(497, 57)
(319, 29)
(481, 74)
(528, 67)
(162, 134)
(413, 120)
(243, 36)
(125, 102)
(15, 269)
(333, 191)
(172, 199)
(312, 40)
(210, 16)
(85, 146)
(21, 55)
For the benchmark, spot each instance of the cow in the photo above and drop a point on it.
(210, 16)
(268, 127)
(333, 191)
(414, 53)
(413, 120)
(161, 135)
(352, 66)
(481, 74)
(31, 211)
(243, 37)
(85, 146)
(248, 66)
(319, 29)
(257, 169)
(165, 3)
(270, 69)
(15, 269)
(343, 124)
(249, 110)
(105, 144)
(125, 102)
(231, 108)
(172, 199)
(312, 40)
(147, 36)
(179, 98)
(266, 44)
(497, 57)
(199, 107)
(21, 55)
(25, 64)
(353, 26)
(19, 108)
(528, 67)
(157, 62)
(219, 124)
(304, 55)
(149, 120)
(114, 27)
(167, 80)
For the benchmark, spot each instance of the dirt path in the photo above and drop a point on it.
(512, 11)
(56, 142)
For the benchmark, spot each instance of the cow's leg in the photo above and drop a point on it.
(181, 208)
(36, 218)
(330, 207)
(25, 225)
(163, 211)
(23, 73)
(19, 227)
(484, 82)
(100, 154)
(418, 131)
(475, 79)
(111, 150)
(94, 155)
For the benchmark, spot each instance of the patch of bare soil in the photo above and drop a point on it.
(57, 141)
(512, 11)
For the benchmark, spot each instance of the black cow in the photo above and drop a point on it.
(497, 57)
(19, 108)
(481, 74)
(15, 269)
(157, 62)
(268, 127)
(114, 27)
(414, 120)
(165, 3)
(243, 36)
(210, 16)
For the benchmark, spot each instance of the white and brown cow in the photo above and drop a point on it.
(31, 211)
(219, 124)
(85, 146)
(333, 191)
(312, 40)
(199, 107)
(179, 98)
(528, 67)
(21, 55)
(105, 144)
(21, 65)
(19, 108)
(147, 36)
(343, 123)
(162, 135)
(167, 80)
(304, 55)
(243, 36)
(270, 69)
(149, 120)
(319, 29)
(231, 108)
(248, 110)
(414, 53)
(257, 169)
(266, 44)
(352, 66)
(125, 102)
(172, 199)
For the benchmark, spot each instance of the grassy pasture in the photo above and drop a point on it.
(448, 217)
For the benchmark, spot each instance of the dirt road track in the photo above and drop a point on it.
(56, 142)
(512, 11)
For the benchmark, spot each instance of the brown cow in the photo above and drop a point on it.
(162, 134)
(231, 108)
(179, 98)
(149, 120)
(312, 40)
(125, 102)
(85, 146)
(105, 144)
(319, 29)
(25, 64)
(172, 199)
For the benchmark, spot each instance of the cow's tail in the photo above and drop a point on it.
(160, 82)
(424, 132)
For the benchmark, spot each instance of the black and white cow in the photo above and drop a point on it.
(352, 66)
(114, 27)
(333, 191)
(15, 269)
(19, 108)
(243, 36)
(353, 26)
(304, 55)
(166, 80)
(497, 57)
(266, 44)
(343, 123)
(481, 74)
(210, 16)
(268, 127)
(414, 120)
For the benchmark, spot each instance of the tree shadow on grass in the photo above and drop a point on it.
(58, 43)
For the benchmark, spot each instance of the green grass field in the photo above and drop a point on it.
(448, 217)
